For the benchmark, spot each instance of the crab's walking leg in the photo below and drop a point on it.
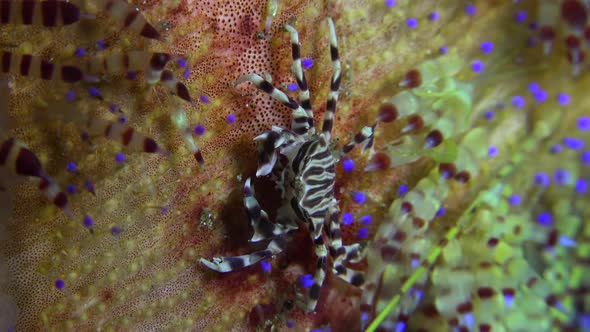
(340, 253)
(263, 229)
(299, 75)
(334, 85)
(228, 264)
(364, 137)
(299, 124)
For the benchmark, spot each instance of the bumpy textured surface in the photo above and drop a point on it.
(521, 254)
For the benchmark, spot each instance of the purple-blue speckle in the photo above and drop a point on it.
(477, 66)
(307, 63)
(542, 179)
(230, 118)
(347, 218)
(573, 143)
(514, 199)
(348, 165)
(487, 47)
(584, 123)
(359, 197)
(412, 23)
(59, 284)
(518, 101)
(199, 130)
(563, 99)
(545, 218)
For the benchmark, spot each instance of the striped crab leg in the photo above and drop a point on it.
(334, 85)
(297, 71)
(339, 253)
(263, 230)
(300, 122)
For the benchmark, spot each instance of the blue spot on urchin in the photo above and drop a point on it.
(581, 186)
(59, 284)
(545, 218)
(562, 177)
(359, 197)
(265, 265)
(518, 101)
(306, 280)
(412, 23)
(71, 167)
(573, 143)
(71, 189)
(115, 230)
(390, 3)
(585, 157)
(487, 47)
(347, 219)
(230, 118)
(307, 63)
(120, 158)
(514, 199)
(493, 151)
(363, 233)
(542, 179)
(348, 165)
(199, 130)
(477, 66)
(70, 95)
(292, 87)
(534, 87)
(88, 222)
(366, 220)
(441, 212)
(403, 190)
(563, 99)
(540, 96)
(434, 16)
(584, 123)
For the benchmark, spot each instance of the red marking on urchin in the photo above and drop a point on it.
(447, 170)
(463, 177)
(399, 236)
(551, 300)
(484, 327)
(572, 42)
(547, 33)
(485, 292)
(407, 207)
(379, 161)
(493, 241)
(418, 223)
(413, 79)
(430, 311)
(574, 13)
(434, 139)
(531, 282)
(508, 291)
(464, 307)
(389, 254)
(387, 113)
(415, 122)
(552, 237)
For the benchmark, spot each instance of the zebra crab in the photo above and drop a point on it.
(306, 180)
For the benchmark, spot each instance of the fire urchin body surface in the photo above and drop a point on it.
(306, 180)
